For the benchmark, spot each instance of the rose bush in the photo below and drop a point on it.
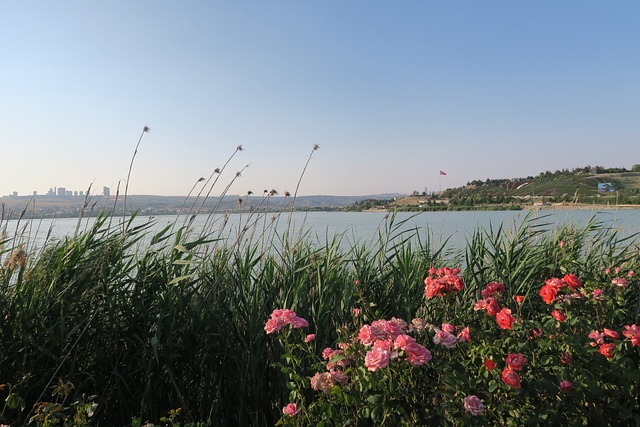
(566, 356)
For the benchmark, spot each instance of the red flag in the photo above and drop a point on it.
(443, 173)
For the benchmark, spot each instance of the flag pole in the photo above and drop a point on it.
(440, 178)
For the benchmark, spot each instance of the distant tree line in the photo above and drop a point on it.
(366, 204)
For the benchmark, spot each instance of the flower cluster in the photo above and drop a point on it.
(282, 317)
(442, 281)
(552, 286)
(445, 335)
(619, 280)
(490, 304)
(387, 337)
(514, 362)
(390, 346)
(605, 341)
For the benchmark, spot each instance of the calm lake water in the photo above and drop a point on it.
(353, 227)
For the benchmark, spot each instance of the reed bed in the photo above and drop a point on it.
(142, 323)
(146, 323)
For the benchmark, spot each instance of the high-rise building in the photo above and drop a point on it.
(106, 191)
(62, 191)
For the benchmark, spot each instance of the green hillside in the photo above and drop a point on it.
(580, 186)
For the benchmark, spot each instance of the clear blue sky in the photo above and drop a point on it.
(392, 92)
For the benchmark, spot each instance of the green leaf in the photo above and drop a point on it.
(185, 262)
(375, 400)
(180, 279)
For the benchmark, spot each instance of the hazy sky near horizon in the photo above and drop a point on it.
(392, 92)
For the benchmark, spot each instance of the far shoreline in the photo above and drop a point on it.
(580, 206)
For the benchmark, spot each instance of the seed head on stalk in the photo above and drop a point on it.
(295, 193)
(145, 129)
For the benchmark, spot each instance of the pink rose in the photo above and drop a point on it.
(492, 306)
(286, 315)
(299, 322)
(548, 293)
(419, 324)
(610, 333)
(572, 280)
(445, 339)
(481, 304)
(597, 294)
(417, 354)
(322, 382)
(281, 317)
(378, 328)
(510, 378)
(464, 335)
(558, 315)
(620, 281)
(518, 298)
(598, 337)
(555, 283)
(607, 350)
(516, 361)
(327, 353)
(393, 327)
(505, 319)
(376, 359)
(565, 385)
(492, 288)
(402, 341)
(273, 325)
(473, 405)
(448, 327)
(309, 338)
(366, 335)
(290, 410)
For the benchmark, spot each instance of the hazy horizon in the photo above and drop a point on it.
(392, 93)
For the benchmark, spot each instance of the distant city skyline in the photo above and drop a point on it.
(393, 93)
(61, 191)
